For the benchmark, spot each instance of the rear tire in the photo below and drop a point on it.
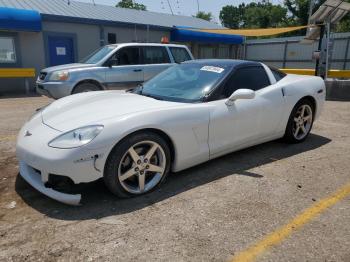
(137, 165)
(85, 87)
(300, 122)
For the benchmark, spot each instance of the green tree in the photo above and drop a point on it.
(131, 4)
(232, 16)
(253, 15)
(264, 14)
(300, 13)
(300, 9)
(344, 24)
(205, 16)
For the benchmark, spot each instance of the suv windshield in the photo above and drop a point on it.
(188, 82)
(97, 55)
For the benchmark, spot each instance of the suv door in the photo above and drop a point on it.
(155, 59)
(124, 69)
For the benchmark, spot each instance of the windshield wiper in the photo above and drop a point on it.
(152, 96)
(137, 89)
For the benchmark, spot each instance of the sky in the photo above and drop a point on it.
(183, 7)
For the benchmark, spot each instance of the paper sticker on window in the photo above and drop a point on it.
(60, 50)
(214, 69)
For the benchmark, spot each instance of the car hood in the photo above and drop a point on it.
(66, 67)
(93, 107)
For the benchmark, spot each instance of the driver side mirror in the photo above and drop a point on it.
(112, 62)
(240, 94)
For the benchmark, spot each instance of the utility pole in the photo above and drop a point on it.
(311, 7)
(197, 6)
(171, 10)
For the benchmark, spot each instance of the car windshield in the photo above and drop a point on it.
(99, 54)
(188, 82)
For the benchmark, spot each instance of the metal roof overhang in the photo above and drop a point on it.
(189, 35)
(19, 20)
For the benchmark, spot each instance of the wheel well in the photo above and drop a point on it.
(90, 81)
(159, 133)
(313, 102)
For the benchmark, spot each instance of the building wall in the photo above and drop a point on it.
(288, 52)
(87, 36)
(138, 34)
(29, 52)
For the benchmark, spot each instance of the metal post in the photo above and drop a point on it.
(327, 47)
(285, 54)
(147, 33)
(346, 53)
(319, 49)
(26, 85)
(135, 33)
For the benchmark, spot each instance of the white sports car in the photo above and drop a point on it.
(188, 114)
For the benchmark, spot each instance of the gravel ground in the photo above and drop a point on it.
(207, 213)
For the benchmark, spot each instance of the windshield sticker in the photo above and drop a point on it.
(214, 69)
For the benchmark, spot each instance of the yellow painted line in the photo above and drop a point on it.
(280, 234)
(17, 72)
(8, 138)
(331, 73)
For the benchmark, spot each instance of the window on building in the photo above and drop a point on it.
(180, 54)
(253, 77)
(155, 55)
(112, 38)
(7, 50)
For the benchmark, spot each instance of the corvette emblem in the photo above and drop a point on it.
(27, 133)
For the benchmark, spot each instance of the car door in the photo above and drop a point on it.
(155, 59)
(246, 121)
(124, 69)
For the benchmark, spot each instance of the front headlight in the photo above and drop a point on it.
(59, 76)
(77, 137)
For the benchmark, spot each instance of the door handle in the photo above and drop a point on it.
(137, 70)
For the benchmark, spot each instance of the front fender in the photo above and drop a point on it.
(187, 128)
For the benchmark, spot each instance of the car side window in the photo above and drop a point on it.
(277, 73)
(252, 77)
(179, 54)
(127, 56)
(155, 55)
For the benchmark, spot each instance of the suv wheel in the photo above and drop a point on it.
(85, 87)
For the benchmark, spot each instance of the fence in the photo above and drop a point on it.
(288, 52)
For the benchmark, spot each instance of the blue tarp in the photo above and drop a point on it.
(19, 20)
(183, 34)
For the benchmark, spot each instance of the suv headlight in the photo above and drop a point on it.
(77, 137)
(59, 76)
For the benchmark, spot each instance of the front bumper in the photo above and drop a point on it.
(54, 89)
(33, 153)
(34, 179)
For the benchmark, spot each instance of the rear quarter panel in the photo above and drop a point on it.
(295, 87)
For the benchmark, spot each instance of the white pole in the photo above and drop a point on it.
(327, 46)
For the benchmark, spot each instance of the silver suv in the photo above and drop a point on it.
(120, 66)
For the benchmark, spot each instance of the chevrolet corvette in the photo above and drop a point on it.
(188, 114)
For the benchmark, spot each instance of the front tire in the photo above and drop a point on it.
(137, 165)
(85, 87)
(300, 122)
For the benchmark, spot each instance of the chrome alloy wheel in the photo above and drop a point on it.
(142, 167)
(302, 122)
